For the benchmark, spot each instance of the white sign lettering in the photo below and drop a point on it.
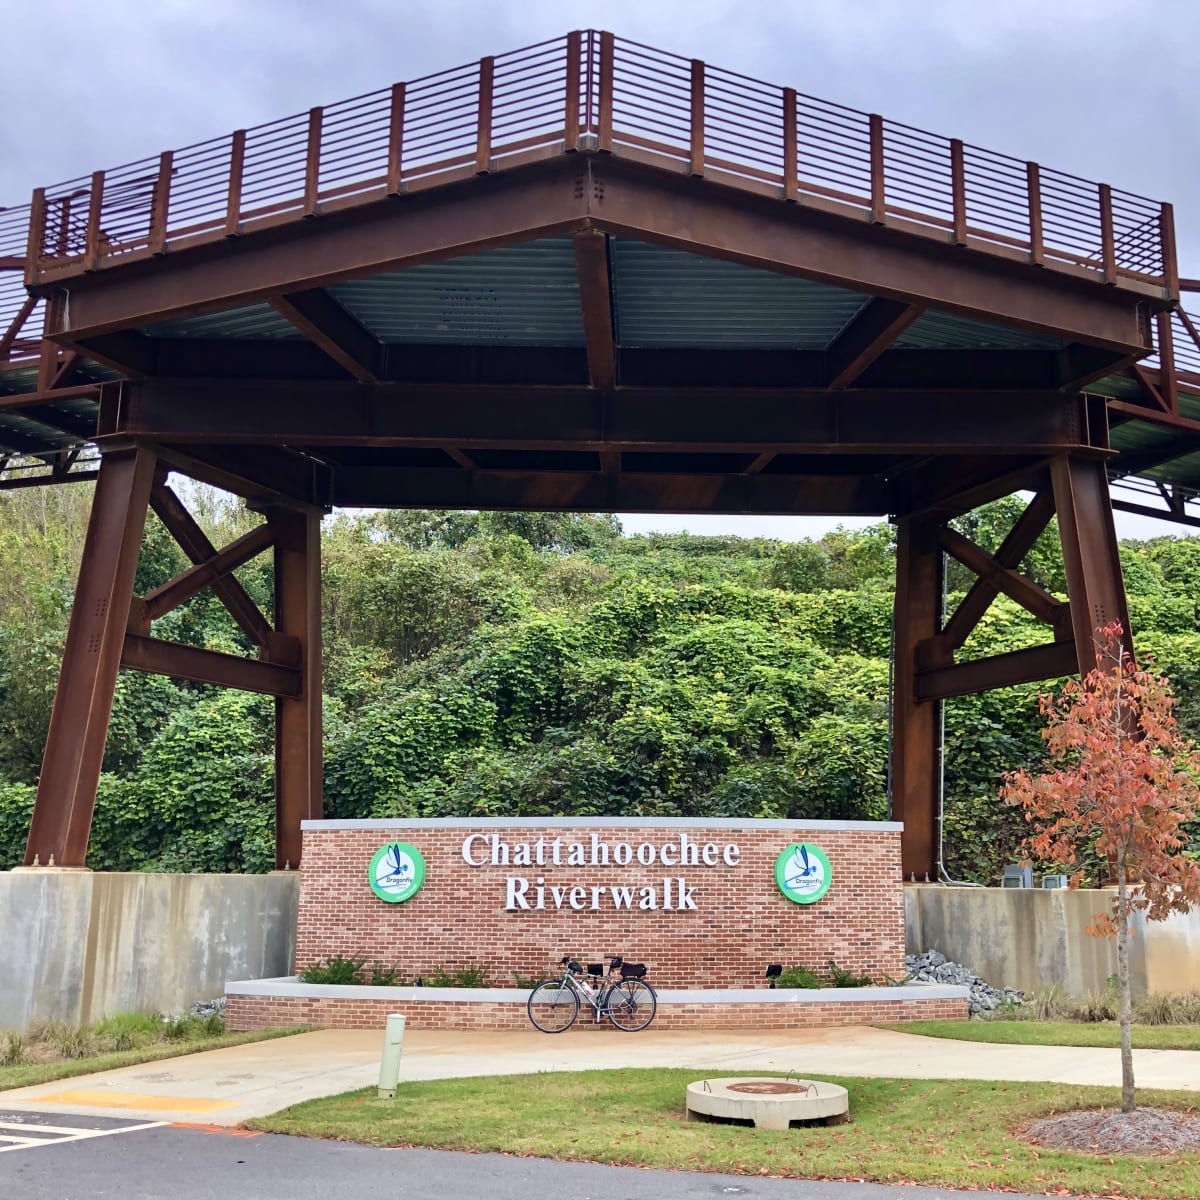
(523, 894)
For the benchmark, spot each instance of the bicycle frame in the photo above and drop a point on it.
(596, 995)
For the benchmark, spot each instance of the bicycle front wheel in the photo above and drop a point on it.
(631, 1005)
(553, 1006)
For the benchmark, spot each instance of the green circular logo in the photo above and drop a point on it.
(396, 872)
(803, 873)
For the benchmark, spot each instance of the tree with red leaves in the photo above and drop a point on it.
(1125, 784)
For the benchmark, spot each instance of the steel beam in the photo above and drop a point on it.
(873, 330)
(157, 657)
(574, 193)
(915, 741)
(796, 239)
(793, 420)
(1025, 531)
(261, 475)
(595, 300)
(905, 370)
(66, 796)
(317, 315)
(493, 210)
(1000, 670)
(1145, 510)
(298, 718)
(195, 544)
(958, 484)
(1029, 595)
(183, 587)
(1090, 554)
(586, 491)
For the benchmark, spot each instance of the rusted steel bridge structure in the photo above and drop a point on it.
(593, 276)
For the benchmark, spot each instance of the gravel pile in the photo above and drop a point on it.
(209, 1008)
(932, 967)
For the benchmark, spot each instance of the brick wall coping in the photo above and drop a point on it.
(292, 987)
(381, 823)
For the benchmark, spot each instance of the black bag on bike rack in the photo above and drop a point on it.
(633, 970)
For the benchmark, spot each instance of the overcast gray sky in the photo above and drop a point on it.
(1106, 89)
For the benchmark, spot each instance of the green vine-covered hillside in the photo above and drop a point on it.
(533, 664)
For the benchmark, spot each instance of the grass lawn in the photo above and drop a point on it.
(32, 1073)
(948, 1133)
(1057, 1033)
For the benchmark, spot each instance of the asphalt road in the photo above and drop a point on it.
(130, 1161)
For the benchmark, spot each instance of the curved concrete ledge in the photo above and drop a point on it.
(292, 987)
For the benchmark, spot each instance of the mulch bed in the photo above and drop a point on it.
(1143, 1131)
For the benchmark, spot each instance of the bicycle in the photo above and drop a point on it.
(622, 996)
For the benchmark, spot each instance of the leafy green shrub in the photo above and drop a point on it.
(384, 976)
(528, 982)
(799, 977)
(181, 1029)
(213, 1025)
(336, 970)
(839, 977)
(464, 977)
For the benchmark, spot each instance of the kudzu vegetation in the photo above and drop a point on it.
(544, 664)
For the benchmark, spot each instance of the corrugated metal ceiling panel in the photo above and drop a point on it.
(1119, 386)
(525, 295)
(938, 330)
(671, 298)
(248, 321)
(31, 437)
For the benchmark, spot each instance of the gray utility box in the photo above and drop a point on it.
(1017, 876)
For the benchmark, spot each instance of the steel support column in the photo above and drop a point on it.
(915, 723)
(1089, 544)
(66, 796)
(298, 720)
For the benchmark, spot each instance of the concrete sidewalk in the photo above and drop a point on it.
(225, 1087)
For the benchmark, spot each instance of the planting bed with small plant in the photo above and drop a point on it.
(357, 972)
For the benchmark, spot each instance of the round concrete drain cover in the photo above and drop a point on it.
(768, 1103)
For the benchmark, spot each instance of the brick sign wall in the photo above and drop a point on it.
(697, 901)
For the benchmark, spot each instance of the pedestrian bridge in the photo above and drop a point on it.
(588, 275)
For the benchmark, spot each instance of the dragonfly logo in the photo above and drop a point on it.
(803, 873)
(397, 872)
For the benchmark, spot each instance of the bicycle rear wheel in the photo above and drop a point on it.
(632, 1005)
(553, 1006)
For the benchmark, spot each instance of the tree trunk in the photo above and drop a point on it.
(1127, 1090)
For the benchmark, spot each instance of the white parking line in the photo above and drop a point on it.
(30, 1127)
(77, 1135)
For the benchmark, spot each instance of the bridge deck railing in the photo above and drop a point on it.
(591, 90)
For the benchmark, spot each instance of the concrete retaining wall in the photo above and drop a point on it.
(79, 946)
(1030, 938)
